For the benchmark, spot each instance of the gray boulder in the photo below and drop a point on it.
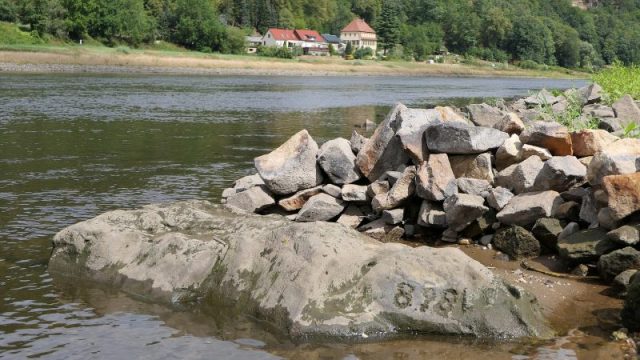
(472, 166)
(626, 111)
(338, 161)
(435, 179)
(631, 311)
(521, 177)
(325, 279)
(247, 182)
(393, 217)
(570, 229)
(509, 153)
(411, 131)
(351, 217)
(458, 138)
(499, 197)
(474, 186)
(255, 199)
(560, 173)
(589, 208)
(615, 262)
(598, 111)
(357, 142)
(621, 281)
(525, 209)
(354, 193)
(398, 194)
(618, 158)
(292, 166)
(510, 124)
(585, 245)
(383, 151)
(333, 190)
(485, 115)
(321, 207)
(546, 230)
(543, 97)
(462, 209)
(590, 94)
(516, 242)
(626, 235)
(549, 135)
(432, 215)
(378, 187)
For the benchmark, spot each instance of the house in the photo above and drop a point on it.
(310, 41)
(360, 35)
(253, 41)
(280, 38)
(334, 41)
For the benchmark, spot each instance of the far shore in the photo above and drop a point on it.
(65, 59)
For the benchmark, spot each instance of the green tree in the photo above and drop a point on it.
(388, 26)
(496, 27)
(8, 11)
(532, 40)
(462, 28)
(120, 20)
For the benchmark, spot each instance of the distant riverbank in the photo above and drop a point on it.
(89, 59)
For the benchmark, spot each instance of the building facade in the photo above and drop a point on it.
(310, 41)
(360, 35)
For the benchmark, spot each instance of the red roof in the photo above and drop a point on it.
(358, 25)
(283, 34)
(309, 35)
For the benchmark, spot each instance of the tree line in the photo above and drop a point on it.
(551, 32)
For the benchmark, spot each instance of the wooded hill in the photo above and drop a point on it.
(553, 32)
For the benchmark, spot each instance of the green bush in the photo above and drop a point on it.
(10, 34)
(529, 64)
(619, 80)
(363, 53)
(277, 52)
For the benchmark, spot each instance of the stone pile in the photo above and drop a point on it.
(504, 176)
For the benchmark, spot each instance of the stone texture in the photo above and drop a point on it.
(398, 194)
(411, 131)
(626, 111)
(516, 242)
(525, 209)
(432, 215)
(570, 229)
(624, 194)
(292, 166)
(569, 210)
(510, 124)
(337, 160)
(543, 97)
(354, 193)
(333, 190)
(618, 158)
(531, 150)
(247, 182)
(546, 230)
(378, 187)
(462, 209)
(549, 135)
(499, 197)
(321, 207)
(435, 179)
(598, 111)
(589, 142)
(585, 245)
(590, 94)
(521, 177)
(614, 263)
(297, 200)
(393, 217)
(351, 217)
(609, 124)
(631, 311)
(472, 166)
(621, 282)
(626, 235)
(480, 225)
(458, 138)
(244, 263)
(383, 151)
(485, 115)
(357, 142)
(588, 208)
(255, 199)
(560, 173)
(473, 186)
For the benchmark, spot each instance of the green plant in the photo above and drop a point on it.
(363, 53)
(632, 130)
(619, 80)
(571, 117)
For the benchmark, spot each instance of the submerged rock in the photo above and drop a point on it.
(307, 279)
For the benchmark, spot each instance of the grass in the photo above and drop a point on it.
(572, 117)
(619, 80)
(10, 34)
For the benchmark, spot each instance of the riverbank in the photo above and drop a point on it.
(97, 59)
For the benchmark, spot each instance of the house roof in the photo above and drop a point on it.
(331, 39)
(309, 35)
(358, 25)
(283, 34)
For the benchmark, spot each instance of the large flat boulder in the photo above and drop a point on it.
(618, 158)
(458, 138)
(292, 166)
(525, 209)
(338, 161)
(383, 151)
(585, 245)
(306, 279)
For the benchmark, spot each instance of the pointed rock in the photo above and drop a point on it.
(560, 173)
(357, 142)
(411, 132)
(499, 197)
(521, 177)
(624, 194)
(509, 153)
(588, 142)
(510, 123)
(351, 217)
(432, 215)
(474, 186)
(255, 199)
(462, 209)
(399, 193)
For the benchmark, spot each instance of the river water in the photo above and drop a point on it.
(74, 146)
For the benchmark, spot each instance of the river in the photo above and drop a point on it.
(74, 146)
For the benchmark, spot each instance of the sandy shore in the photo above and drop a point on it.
(106, 60)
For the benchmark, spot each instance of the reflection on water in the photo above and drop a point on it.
(72, 147)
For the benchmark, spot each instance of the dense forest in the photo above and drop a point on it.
(551, 32)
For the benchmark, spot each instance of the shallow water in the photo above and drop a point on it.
(73, 146)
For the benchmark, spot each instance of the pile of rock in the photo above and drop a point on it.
(501, 176)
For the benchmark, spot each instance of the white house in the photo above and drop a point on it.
(360, 35)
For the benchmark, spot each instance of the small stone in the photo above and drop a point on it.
(472, 166)
(486, 240)
(570, 229)
(378, 187)
(255, 199)
(473, 186)
(626, 235)
(462, 209)
(458, 138)
(435, 179)
(569, 210)
(432, 215)
(531, 150)
(543, 97)
(465, 242)
(621, 281)
(581, 270)
(357, 142)
(351, 217)
(575, 194)
(337, 160)
(614, 263)
(321, 207)
(499, 197)
(333, 190)
(525, 209)
(510, 123)
(247, 182)
(393, 217)
(589, 209)
(401, 191)
(354, 193)
(297, 200)
(517, 242)
(449, 236)
(549, 135)
(391, 177)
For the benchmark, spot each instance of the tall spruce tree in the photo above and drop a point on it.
(388, 25)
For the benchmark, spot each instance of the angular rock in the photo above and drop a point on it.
(589, 208)
(598, 111)
(525, 209)
(509, 153)
(458, 138)
(357, 142)
(398, 194)
(297, 200)
(378, 187)
(474, 186)
(586, 161)
(589, 142)
(631, 311)
(499, 197)
(626, 235)
(510, 124)
(435, 179)
(481, 225)
(485, 115)
(393, 217)
(531, 150)
(411, 132)
(549, 135)
(626, 111)
(618, 158)
(610, 124)
(472, 166)
(546, 230)
(569, 210)
(247, 182)
(321, 207)
(624, 194)
(338, 161)
(614, 263)
(383, 151)
(432, 215)
(333, 190)
(590, 94)
(585, 245)
(560, 173)
(227, 192)
(516, 242)
(351, 217)
(521, 178)
(621, 282)
(570, 229)
(544, 97)
(292, 166)
(245, 264)
(354, 193)
(255, 199)
(462, 209)
(575, 194)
